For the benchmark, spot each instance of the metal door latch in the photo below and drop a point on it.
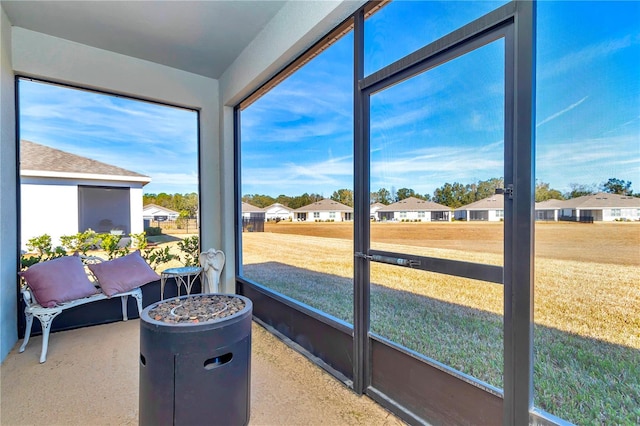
(364, 256)
(508, 191)
(410, 263)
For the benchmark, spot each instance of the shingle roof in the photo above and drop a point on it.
(494, 202)
(550, 204)
(41, 158)
(413, 204)
(325, 205)
(278, 206)
(248, 208)
(602, 200)
(160, 208)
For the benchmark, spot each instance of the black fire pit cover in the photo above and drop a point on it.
(195, 361)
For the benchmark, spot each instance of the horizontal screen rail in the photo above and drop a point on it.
(457, 268)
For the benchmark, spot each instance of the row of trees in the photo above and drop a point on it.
(452, 195)
(185, 204)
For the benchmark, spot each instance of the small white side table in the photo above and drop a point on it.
(184, 276)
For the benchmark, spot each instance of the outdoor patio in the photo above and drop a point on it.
(91, 378)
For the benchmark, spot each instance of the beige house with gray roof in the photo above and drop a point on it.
(249, 211)
(548, 209)
(600, 207)
(63, 194)
(325, 210)
(490, 209)
(414, 209)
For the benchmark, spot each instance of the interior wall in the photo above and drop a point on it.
(8, 213)
(49, 58)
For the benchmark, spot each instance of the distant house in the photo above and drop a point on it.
(250, 211)
(253, 218)
(414, 209)
(373, 211)
(325, 210)
(63, 194)
(490, 209)
(153, 212)
(278, 211)
(548, 209)
(600, 207)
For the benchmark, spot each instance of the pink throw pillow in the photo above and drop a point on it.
(123, 273)
(58, 280)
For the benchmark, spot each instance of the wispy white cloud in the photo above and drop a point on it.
(624, 125)
(146, 138)
(564, 111)
(585, 160)
(583, 57)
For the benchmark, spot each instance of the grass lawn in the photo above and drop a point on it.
(587, 302)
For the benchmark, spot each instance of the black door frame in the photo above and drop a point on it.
(325, 340)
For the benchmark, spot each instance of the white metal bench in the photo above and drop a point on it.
(47, 315)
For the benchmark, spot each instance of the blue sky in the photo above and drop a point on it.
(446, 124)
(442, 126)
(155, 140)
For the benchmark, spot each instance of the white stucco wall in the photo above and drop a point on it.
(420, 216)
(278, 212)
(137, 222)
(496, 215)
(47, 209)
(51, 206)
(327, 216)
(8, 211)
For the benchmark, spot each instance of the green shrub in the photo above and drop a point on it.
(139, 240)
(190, 246)
(42, 247)
(153, 231)
(110, 243)
(80, 242)
(156, 257)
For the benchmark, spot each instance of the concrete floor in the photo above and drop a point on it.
(91, 378)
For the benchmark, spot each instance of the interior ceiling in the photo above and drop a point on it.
(202, 37)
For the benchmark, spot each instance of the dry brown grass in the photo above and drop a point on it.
(587, 302)
(593, 299)
(616, 243)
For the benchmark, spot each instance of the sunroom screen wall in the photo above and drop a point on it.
(437, 394)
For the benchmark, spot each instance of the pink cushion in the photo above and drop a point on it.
(123, 273)
(58, 280)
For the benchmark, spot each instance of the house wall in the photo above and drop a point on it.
(48, 209)
(40, 196)
(611, 215)
(327, 216)
(8, 193)
(496, 215)
(135, 205)
(278, 213)
(421, 216)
